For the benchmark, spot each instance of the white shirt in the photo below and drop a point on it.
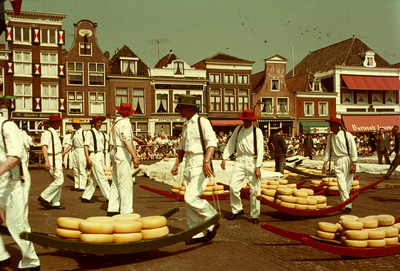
(245, 144)
(99, 136)
(46, 140)
(190, 142)
(13, 143)
(338, 142)
(123, 131)
(77, 140)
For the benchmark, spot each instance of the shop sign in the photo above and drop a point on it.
(30, 115)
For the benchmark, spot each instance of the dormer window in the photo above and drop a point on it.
(316, 86)
(129, 65)
(369, 59)
(178, 68)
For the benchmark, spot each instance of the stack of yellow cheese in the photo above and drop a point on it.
(315, 183)
(330, 184)
(153, 227)
(98, 229)
(68, 227)
(211, 189)
(327, 230)
(108, 172)
(302, 199)
(178, 189)
(355, 184)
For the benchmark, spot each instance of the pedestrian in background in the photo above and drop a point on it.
(279, 145)
(396, 149)
(382, 142)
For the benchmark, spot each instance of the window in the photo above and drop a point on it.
(49, 64)
(129, 67)
(316, 86)
(121, 96)
(391, 97)
(275, 85)
(229, 100)
(376, 97)
(362, 97)
(22, 63)
(142, 128)
(138, 101)
(370, 61)
(243, 103)
(162, 103)
(178, 68)
(49, 97)
(243, 79)
(85, 49)
(215, 99)
(323, 108)
(23, 92)
(283, 105)
(22, 35)
(266, 106)
(96, 103)
(96, 74)
(48, 36)
(347, 96)
(308, 109)
(75, 102)
(215, 78)
(75, 73)
(229, 79)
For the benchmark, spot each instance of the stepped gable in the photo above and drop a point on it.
(346, 53)
(218, 57)
(115, 64)
(166, 60)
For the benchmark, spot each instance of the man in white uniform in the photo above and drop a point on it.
(197, 166)
(95, 151)
(79, 165)
(122, 154)
(343, 147)
(67, 158)
(249, 144)
(52, 154)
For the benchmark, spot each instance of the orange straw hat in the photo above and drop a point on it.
(247, 115)
(125, 109)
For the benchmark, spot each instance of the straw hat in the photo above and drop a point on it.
(125, 109)
(247, 115)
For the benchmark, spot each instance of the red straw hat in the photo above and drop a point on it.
(334, 120)
(97, 117)
(53, 118)
(247, 115)
(125, 109)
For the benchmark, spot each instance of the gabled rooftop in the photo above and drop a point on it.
(166, 60)
(115, 63)
(220, 57)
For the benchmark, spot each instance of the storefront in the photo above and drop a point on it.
(314, 127)
(270, 125)
(370, 123)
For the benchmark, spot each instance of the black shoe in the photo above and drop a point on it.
(73, 189)
(80, 190)
(112, 213)
(234, 216)
(211, 234)
(347, 210)
(44, 202)
(36, 268)
(254, 220)
(57, 207)
(194, 241)
(86, 200)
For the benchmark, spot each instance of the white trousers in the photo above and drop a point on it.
(345, 179)
(80, 173)
(97, 177)
(14, 199)
(197, 210)
(52, 193)
(244, 167)
(121, 192)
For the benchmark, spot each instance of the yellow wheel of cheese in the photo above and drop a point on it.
(300, 200)
(264, 181)
(327, 227)
(71, 223)
(301, 206)
(127, 237)
(310, 192)
(300, 193)
(376, 234)
(392, 241)
(219, 192)
(385, 220)
(96, 238)
(175, 191)
(312, 207)
(282, 186)
(268, 192)
(96, 227)
(272, 186)
(333, 188)
(291, 185)
(127, 217)
(268, 198)
(210, 183)
(151, 222)
(320, 199)
(356, 235)
(312, 201)
(333, 184)
(352, 225)
(376, 243)
(122, 226)
(356, 243)
(263, 186)
(326, 180)
(208, 193)
(176, 186)
(273, 183)
(283, 181)
(397, 225)
(355, 182)
(284, 191)
(67, 233)
(287, 204)
(321, 205)
(326, 235)
(368, 223)
(182, 188)
(209, 188)
(349, 217)
(288, 199)
(218, 187)
(148, 234)
(390, 231)
(355, 187)
(342, 238)
(278, 201)
(182, 192)
(101, 219)
(316, 182)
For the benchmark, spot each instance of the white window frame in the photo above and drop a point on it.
(391, 96)
(119, 97)
(243, 79)
(97, 72)
(47, 33)
(77, 100)
(349, 95)
(373, 96)
(26, 64)
(26, 99)
(136, 98)
(215, 100)
(199, 99)
(243, 100)
(278, 105)
(49, 66)
(317, 86)
(228, 100)
(22, 41)
(179, 65)
(85, 44)
(49, 96)
(76, 72)
(215, 78)
(362, 94)
(176, 93)
(99, 100)
(128, 62)
(229, 78)
(264, 101)
(310, 106)
(278, 84)
(321, 110)
(158, 103)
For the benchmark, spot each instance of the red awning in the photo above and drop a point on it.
(372, 82)
(226, 122)
(364, 124)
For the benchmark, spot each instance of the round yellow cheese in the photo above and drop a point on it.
(272, 186)
(385, 220)
(71, 223)
(317, 182)
(301, 200)
(175, 191)
(376, 243)
(67, 233)
(389, 231)
(375, 234)
(210, 183)
(311, 201)
(148, 234)
(283, 181)
(96, 238)
(291, 185)
(334, 188)
(333, 184)
(218, 187)
(127, 237)
(181, 192)
(397, 225)
(301, 206)
(327, 227)
(356, 235)
(182, 188)
(209, 188)
(300, 193)
(127, 217)
(176, 186)
(349, 217)
(96, 227)
(356, 243)
(268, 198)
(321, 205)
(151, 222)
(219, 192)
(368, 223)
(326, 235)
(352, 225)
(355, 182)
(268, 192)
(207, 193)
(289, 199)
(122, 226)
(273, 183)
(391, 241)
(320, 199)
(312, 207)
(284, 191)
(288, 205)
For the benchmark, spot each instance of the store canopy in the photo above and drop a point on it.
(316, 127)
(372, 82)
(226, 122)
(366, 124)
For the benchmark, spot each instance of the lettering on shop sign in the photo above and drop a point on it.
(30, 115)
(168, 86)
(371, 128)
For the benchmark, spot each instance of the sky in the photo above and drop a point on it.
(248, 29)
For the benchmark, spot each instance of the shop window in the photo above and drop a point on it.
(75, 102)
(215, 100)
(283, 105)
(96, 103)
(162, 103)
(266, 106)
